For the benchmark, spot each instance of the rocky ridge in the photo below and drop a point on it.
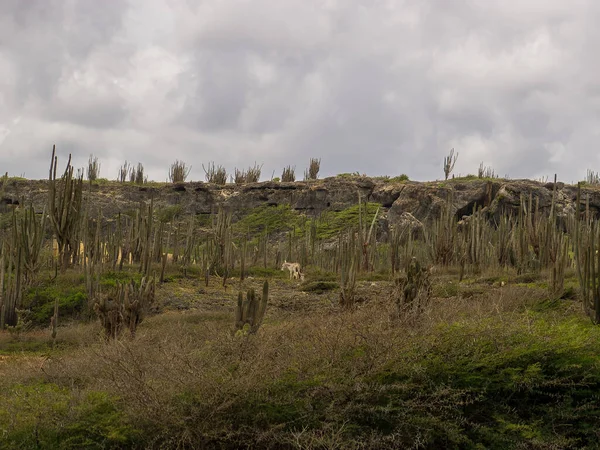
(400, 201)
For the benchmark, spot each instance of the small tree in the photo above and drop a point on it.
(449, 162)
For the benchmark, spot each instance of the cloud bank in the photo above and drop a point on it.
(376, 87)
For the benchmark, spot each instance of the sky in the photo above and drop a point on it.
(379, 87)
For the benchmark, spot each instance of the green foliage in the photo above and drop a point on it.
(332, 222)
(169, 213)
(40, 302)
(489, 384)
(47, 416)
(398, 179)
(527, 383)
(110, 279)
(99, 424)
(348, 175)
(481, 384)
(271, 218)
(523, 380)
(104, 182)
(23, 344)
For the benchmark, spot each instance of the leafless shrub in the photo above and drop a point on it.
(216, 175)
(178, 172)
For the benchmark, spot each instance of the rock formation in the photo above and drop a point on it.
(401, 202)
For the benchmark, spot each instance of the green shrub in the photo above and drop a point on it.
(169, 213)
(47, 416)
(271, 218)
(40, 302)
(110, 279)
(332, 222)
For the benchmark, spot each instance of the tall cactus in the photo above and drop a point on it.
(414, 290)
(349, 261)
(222, 243)
(251, 311)
(587, 258)
(3, 297)
(442, 237)
(367, 238)
(65, 207)
(30, 236)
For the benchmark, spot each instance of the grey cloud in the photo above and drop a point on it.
(377, 87)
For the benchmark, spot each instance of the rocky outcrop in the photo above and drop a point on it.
(401, 202)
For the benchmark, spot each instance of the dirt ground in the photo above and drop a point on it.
(286, 297)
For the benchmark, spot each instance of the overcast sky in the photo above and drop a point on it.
(374, 86)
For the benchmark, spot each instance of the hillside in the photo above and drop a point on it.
(171, 323)
(422, 200)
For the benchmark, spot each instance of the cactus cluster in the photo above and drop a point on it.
(178, 172)
(414, 289)
(65, 210)
(125, 307)
(250, 312)
(312, 173)
(215, 174)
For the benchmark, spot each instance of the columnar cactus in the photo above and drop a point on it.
(414, 290)
(251, 311)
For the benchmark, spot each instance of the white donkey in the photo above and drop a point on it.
(294, 269)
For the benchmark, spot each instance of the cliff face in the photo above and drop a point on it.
(421, 200)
